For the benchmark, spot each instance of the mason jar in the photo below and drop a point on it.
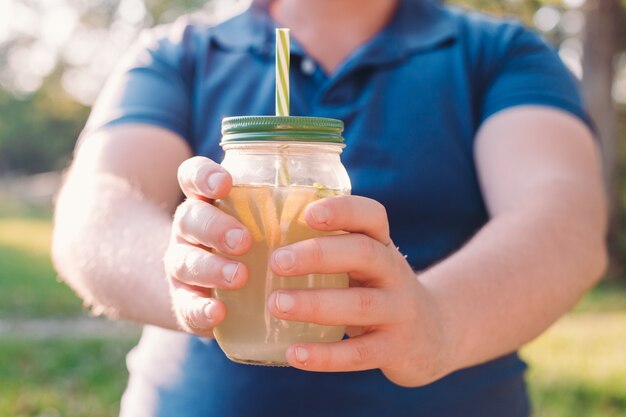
(279, 165)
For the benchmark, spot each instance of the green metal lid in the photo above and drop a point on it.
(281, 128)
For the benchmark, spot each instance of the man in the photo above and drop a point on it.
(467, 144)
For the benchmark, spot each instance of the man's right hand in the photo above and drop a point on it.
(193, 270)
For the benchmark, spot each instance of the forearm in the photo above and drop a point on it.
(108, 245)
(522, 271)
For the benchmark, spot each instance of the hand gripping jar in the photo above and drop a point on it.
(279, 165)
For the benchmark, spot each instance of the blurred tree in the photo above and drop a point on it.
(38, 131)
(603, 40)
(55, 54)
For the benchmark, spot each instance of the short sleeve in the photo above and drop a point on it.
(527, 71)
(150, 85)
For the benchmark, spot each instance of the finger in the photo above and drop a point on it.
(201, 223)
(363, 258)
(334, 307)
(195, 313)
(201, 268)
(351, 214)
(200, 177)
(355, 354)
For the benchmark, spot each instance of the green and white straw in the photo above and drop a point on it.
(282, 72)
(282, 97)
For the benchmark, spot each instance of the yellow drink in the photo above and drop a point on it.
(274, 216)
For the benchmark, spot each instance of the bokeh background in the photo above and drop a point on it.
(56, 360)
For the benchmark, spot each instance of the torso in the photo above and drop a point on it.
(410, 100)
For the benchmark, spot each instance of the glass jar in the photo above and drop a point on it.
(279, 165)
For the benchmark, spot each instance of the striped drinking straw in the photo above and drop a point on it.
(282, 96)
(282, 72)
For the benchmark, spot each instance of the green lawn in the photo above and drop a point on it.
(577, 368)
(73, 378)
(29, 284)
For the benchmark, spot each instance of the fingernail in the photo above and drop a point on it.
(320, 214)
(233, 238)
(207, 311)
(285, 259)
(302, 354)
(214, 180)
(284, 302)
(229, 271)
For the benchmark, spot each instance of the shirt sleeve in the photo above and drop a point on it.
(527, 71)
(151, 84)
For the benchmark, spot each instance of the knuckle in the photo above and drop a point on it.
(175, 261)
(196, 219)
(366, 247)
(199, 175)
(195, 163)
(191, 264)
(325, 358)
(181, 216)
(192, 172)
(185, 172)
(179, 266)
(360, 353)
(366, 302)
(382, 216)
(343, 207)
(381, 211)
(316, 251)
(208, 222)
(190, 318)
(313, 303)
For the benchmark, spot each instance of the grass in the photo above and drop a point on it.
(29, 284)
(77, 378)
(605, 298)
(58, 377)
(577, 368)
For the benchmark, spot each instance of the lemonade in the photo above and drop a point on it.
(274, 216)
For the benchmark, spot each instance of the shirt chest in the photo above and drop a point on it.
(408, 131)
(409, 120)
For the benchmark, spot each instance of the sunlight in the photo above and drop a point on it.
(6, 10)
(547, 18)
(571, 52)
(132, 11)
(24, 20)
(573, 4)
(573, 22)
(58, 24)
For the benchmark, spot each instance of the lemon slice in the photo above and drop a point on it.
(269, 217)
(238, 200)
(263, 202)
(295, 201)
(323, 191)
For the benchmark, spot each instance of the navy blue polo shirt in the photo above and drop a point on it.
(412, 99)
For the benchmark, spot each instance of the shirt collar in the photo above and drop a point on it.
(251, 30)
(416, 25)
(420, 24)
